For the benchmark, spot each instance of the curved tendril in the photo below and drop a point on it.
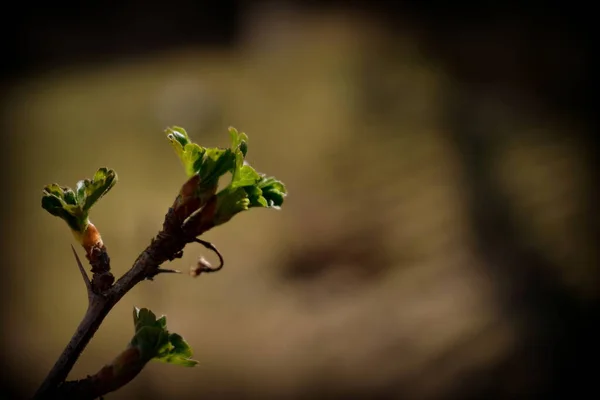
(210, 246)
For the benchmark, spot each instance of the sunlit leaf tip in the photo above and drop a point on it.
(178, 135)
(239, 140)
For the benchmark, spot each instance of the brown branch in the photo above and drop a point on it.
(111, 377)
(97, 310)
(102, 278)
(166, 246)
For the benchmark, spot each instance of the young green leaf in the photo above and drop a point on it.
(255, 197)
(73, 206)
(180, 135)
(56, 206)
(189, 153)
(238, 139)
(80, 190)
(215, 163)
(193, 156)
(178, 352)
(155, 342)
(149, 339)
(69, 196)
(104, 180)
(273, 191)
(229, 203)
(143, 317)
(247, 189)
(246, 176)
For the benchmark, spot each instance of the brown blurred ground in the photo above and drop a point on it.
(437, 241)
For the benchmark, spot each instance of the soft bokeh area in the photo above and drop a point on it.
(436, 241)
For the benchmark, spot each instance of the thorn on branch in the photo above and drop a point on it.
(86, 279)
(162, 271)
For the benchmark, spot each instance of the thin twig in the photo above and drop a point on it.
(212, 247)
(168, 243)
(94, 316)
(162, 271)
(166, 246)
(86, 279)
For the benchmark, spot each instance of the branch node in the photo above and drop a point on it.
(102, 278)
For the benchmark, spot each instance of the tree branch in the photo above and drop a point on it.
(196, 209)
(166, 246)
(97, 310)
(126, 366)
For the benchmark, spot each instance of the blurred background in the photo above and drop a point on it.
(439, 237)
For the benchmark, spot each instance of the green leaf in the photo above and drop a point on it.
(104, 179)
(53, 204)
(246, 176)
(149, 339)
(69, 196)
(58, 201)
(80, 190)
(237, 139)
(274, 191)
(55, 190)
(57, 207)
(234, 134)
(144, 317)
(180, 135)
(155, 342)
(258, 201)
(229, 203)
(237, 166)
(189, 153)
(177, 352)
(193, 157)
(247, 189)
(73, 206)
(215, 163)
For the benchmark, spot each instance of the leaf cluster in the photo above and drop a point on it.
(155, 342)
(73, 206)
(247, 188)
